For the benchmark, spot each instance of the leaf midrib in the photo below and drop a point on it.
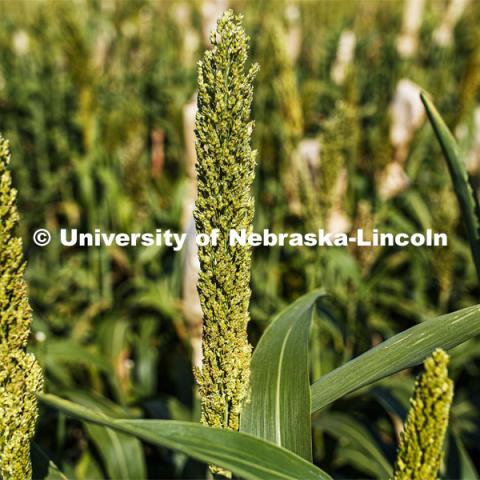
(278, 431)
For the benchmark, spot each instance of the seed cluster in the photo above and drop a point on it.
(420, 453)
(20, 374)
(225, 169)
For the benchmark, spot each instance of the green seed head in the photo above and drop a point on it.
(20, 375)
(420, 453)
(20, 380)
(225, 169)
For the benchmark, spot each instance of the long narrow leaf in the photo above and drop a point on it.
(122, 454)
(402, 351)
(461, 184)
(278, 408)
(244, 455)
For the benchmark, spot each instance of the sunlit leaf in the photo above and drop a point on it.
(278, 408)
(463, 189)
(401, 351)
(244, 455)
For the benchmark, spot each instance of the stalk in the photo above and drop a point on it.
(20, 375)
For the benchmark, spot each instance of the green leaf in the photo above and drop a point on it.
(70, 352)
(86, 467)
(278, 407)
(461, 184)
(122, 454)
(244, 455)
(401, 351)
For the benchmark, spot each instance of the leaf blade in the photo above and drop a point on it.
(458, 172)
(404, 350)
(122, 454)
(259, 459)
(278, 409)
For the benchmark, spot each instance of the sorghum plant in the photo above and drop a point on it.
(20, 374)
(279, 122)
(225, 168)
(420, 452)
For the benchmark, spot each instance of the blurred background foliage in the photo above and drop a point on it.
(97, 99)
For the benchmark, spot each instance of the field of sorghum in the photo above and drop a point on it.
(98, 102)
